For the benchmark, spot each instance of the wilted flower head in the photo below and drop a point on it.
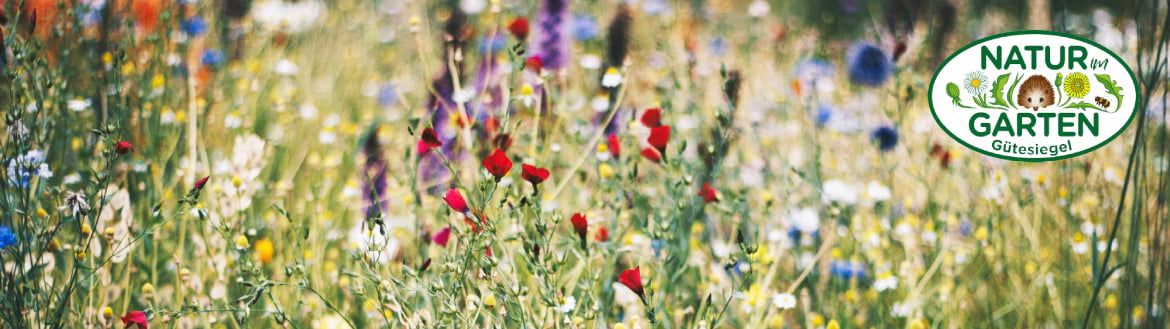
(75, 203)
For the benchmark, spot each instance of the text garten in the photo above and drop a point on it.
(1063, 124)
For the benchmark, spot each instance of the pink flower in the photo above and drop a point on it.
(135, 319)
(442, 237)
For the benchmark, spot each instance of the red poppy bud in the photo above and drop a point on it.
(135, 319)
(533, 174)
(658, 138)
(455, 200)
(651, 154)
(602, 234)
(581, 226)
(428, 141)
(652, 118)
(200, 183)
(497, 164)
(442, 237)
(519, 28)
(425, 265)
(708, 193)
(632, 278)
(123, 147)
(615, 146)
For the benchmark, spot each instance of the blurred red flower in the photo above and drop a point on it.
(632, 278)
(533, 174)
(652, 118)
(442, 237)
(123, 147)
(519, 28)
(428, 140)
(135, 319)
(658, 138)
(455, 200)
(615, 146)
(708, 193)
(581, 226)
(497, 164)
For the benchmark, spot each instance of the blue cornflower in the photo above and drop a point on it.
(585, 27)
(847, 270)
(492, 44)
(718, 46)
(212, 57)
(7, 238)
(387, 95)
(886, 138)
(868, 65)
(824, 113)
(21, 169)
(195, 26)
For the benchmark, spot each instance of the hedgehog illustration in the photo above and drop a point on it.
(1036, 92)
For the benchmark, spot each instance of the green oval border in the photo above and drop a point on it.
(1132, 77)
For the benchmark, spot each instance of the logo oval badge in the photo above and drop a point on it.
(1033, 96)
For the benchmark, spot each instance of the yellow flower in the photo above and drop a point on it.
(264, 250)
(489, 300)
(619, 326)
(147, 289)
(918, 324)
(241, 242)
(833, 325)
(108, 312)
(1076, 85)
(86, 230)
(42, 213)
(605, 171)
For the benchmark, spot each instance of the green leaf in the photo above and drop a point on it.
(1012, 90)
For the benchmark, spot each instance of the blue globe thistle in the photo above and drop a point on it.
(886, 138)
(868, 65)
(7, 238)
(194, 26)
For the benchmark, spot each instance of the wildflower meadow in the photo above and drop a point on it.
(565, 164)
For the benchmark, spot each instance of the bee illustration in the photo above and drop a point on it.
(1102, 101)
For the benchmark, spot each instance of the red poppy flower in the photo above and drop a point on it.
(533, 174)
(581, 226)
(615, 146)
(708, 193)
(534, 63)
(497, 164)
(519, 28)
(200, 183)
(652, 118)
(632, 278)
(123, 147)
(651, 154)
(455, 200)
(602, 234)
(442, 237)
(428, 141)
(135, 319)
(658, 138)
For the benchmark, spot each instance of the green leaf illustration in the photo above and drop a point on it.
(1110, 87)
(1084, 106)
(1012, 90)
(997, 90)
